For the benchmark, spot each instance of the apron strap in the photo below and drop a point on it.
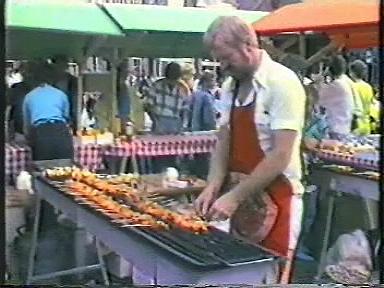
(234, 98)
(233, 105)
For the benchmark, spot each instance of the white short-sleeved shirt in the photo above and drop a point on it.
(337, 98)
(280, 105)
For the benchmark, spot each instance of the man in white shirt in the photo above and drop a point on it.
(258, 142)
(338, 98)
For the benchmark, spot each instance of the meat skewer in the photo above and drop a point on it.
(109, 207)
(102, 191)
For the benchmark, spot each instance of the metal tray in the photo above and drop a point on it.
(40, 166)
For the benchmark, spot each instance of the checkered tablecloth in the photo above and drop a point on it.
(17, 158)
(354, 161)
(164, 145)
(89, 156)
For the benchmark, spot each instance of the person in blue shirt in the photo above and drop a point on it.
(317, 127)
(203, 111)
(126, 81)
(46, 114)
(203, 118)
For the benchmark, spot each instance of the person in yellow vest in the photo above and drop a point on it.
(375, 115)
(358, 70)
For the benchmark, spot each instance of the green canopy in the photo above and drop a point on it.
(161, 31)
(41, 28)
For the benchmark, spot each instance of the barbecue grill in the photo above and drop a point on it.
(213, 249)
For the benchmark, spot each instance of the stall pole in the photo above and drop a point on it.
(302, 45)
(112, 115)
(80, 92)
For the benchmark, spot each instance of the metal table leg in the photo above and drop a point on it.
(371, 208)
(143, 165)
(123, 165)
(327, 232)
(80, 251)
(102, 264)
(32, 252)
(135, 166)
(150, 165)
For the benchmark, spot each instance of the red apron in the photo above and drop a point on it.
(264, 219)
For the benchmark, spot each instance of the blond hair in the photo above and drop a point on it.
(188, 71)
(232, 30)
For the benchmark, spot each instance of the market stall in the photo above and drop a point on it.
(168, 31)
(115, 31)
(351, 24)
(76, 30)
(165, 32)
(56, 28)
(81, 30)
(342, 182)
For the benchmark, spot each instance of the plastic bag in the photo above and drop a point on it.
(349, 259)
(24, 182)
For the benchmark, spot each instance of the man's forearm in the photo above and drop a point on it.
(269, 168)
(220, 157)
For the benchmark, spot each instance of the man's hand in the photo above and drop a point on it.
(206, 199)
(224, 207)
(311, 143)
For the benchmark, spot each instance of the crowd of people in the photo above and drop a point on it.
(340, 102)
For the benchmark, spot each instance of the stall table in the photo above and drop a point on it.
(340, 183)
(359, 161)
(18, 158)
(151, 259)
(145, 147)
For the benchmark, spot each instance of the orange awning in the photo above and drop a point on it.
(352, 23)
(356, 40)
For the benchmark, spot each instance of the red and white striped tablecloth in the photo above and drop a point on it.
(161, 145)
(17, 158)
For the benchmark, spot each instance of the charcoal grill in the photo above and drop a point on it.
(215, 248)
